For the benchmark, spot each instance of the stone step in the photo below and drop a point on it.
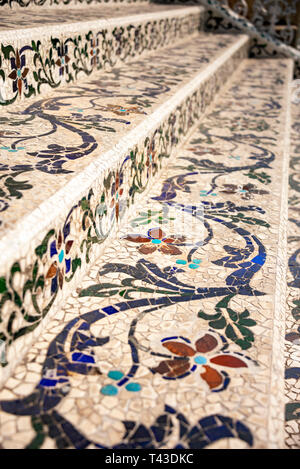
(77, 161)
(54, 48)
(175, 337)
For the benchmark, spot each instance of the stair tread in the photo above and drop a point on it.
(24, 19)
(151, 298)
(47, 143)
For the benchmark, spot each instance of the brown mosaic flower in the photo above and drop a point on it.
(151, 160)
(19, 72)
(187, 359)
(200, 151)
(156, 240)
(124, 110)
(4, 133)
(63, 59)
(94, 52)
(59, 250)
(116, 193)
(246, 190)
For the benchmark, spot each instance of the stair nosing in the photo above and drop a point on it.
(21, 33)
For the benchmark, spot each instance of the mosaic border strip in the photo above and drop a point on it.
(42, 59)
(27, 294)
(34, 4)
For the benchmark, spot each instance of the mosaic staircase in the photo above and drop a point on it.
(144, 216)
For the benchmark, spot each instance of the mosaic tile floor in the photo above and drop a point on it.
(42, 17)
(175, 337)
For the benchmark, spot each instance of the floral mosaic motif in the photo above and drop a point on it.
(60, 250)
(152, 157)
(200, 357)
(246, 190)
(63, 59)
(236, 326)
(156, 240)
(19, 72)
(94, 52)
(124, 110)
(117, 192)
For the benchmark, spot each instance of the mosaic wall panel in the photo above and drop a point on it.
(174, 339)
(41, 60)
(292, 372)
(42, 274)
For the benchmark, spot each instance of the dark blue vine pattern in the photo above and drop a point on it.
(166, 290)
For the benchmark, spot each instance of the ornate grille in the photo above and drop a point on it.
(278, 18)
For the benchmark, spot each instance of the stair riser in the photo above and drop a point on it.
(42, 59)
(98, 207)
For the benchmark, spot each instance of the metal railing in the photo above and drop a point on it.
(278, 18)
